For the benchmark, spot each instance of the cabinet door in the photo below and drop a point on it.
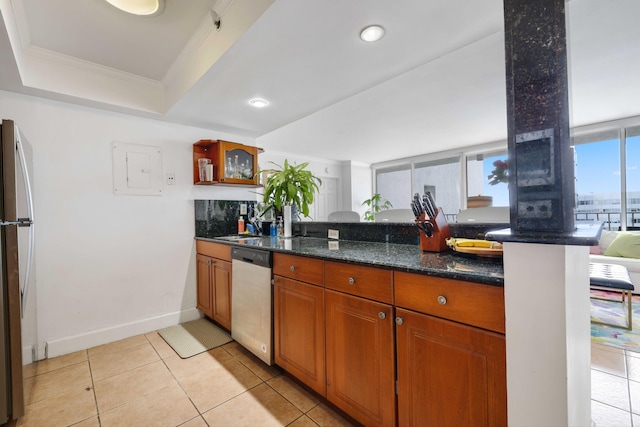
(449, 374)
(221, 293)
(360, 358)
(299, 331)
(203, 274)
(237, 163)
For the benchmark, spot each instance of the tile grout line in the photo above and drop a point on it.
(626, 367)
(93, 388)
(266, 382)
(177, 381)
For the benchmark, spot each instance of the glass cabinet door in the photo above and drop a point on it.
(238, 164)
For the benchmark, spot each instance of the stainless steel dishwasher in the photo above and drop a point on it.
(251, 301)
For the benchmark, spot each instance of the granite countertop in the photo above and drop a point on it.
(385, 255)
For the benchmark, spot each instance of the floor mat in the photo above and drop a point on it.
(613, 312)
(191, 338)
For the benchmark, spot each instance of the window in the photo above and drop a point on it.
(604, 188)
(479, 167)
(632, 178)
(442, 179)
(597, 172)
(394, 184)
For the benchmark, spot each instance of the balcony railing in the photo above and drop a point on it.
(611, 220)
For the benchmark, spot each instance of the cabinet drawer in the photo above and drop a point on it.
(214, 250)
(305, 269)
(367, 282)
(474, 304)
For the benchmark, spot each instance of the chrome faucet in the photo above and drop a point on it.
(255, 218)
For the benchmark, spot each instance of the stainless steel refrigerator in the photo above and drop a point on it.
(16, 231)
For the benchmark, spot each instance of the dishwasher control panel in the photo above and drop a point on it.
(253, 256)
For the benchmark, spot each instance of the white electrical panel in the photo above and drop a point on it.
(137, 169)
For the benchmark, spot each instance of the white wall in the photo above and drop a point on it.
(358, 186)
(108, 266)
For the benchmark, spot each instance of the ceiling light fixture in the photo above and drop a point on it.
(372, 33)
(259, 102)
(139, 7)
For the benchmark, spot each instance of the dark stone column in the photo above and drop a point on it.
(541, 161)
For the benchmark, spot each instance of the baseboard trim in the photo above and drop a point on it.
(28, 354)
(90, 339)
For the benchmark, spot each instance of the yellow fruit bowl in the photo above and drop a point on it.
(483, 248)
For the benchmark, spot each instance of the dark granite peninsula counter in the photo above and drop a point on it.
(398, 257)
(388, 245)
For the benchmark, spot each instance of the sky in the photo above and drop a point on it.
(597, 170)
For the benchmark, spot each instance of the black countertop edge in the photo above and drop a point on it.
(399, 257)
(585, 234)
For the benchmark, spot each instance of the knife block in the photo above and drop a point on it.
(438, 240)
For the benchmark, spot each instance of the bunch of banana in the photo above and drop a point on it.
(472, 243)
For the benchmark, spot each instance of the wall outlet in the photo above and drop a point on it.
(334, 234)
(171, 178)
(243, 208)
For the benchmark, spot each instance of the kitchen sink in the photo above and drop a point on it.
(239, 238)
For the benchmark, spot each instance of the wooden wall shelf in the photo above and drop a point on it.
(233, 163)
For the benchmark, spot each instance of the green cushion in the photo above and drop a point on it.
(625, 245)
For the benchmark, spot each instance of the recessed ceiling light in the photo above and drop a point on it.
(372, 33)
(259, 102)
(139, 7)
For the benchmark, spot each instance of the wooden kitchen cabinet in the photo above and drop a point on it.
(299, 331)
(392, 348)
(360, 342)
(451, 352)
(360, 358)
(367, 282)
(449, 374)
(470, 303)
(233, 163)
(298, 310)
(304, 269)
(214, 282)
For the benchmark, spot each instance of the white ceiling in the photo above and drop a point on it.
(434, 82)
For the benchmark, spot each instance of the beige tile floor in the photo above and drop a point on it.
(141, 381)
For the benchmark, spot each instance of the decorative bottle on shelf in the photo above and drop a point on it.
(237, 169)
(228, 172)
(280, 228)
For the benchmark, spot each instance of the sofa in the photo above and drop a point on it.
(622, 248)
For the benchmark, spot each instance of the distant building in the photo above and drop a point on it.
(606, 207)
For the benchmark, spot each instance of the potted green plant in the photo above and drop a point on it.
(375, 204)
(290, 185)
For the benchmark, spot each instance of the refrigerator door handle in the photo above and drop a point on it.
(23, 221)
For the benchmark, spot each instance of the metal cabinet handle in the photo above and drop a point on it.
(382, 315)
(442, 300)
(292, 268)
(399, 320)
(352, 280)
